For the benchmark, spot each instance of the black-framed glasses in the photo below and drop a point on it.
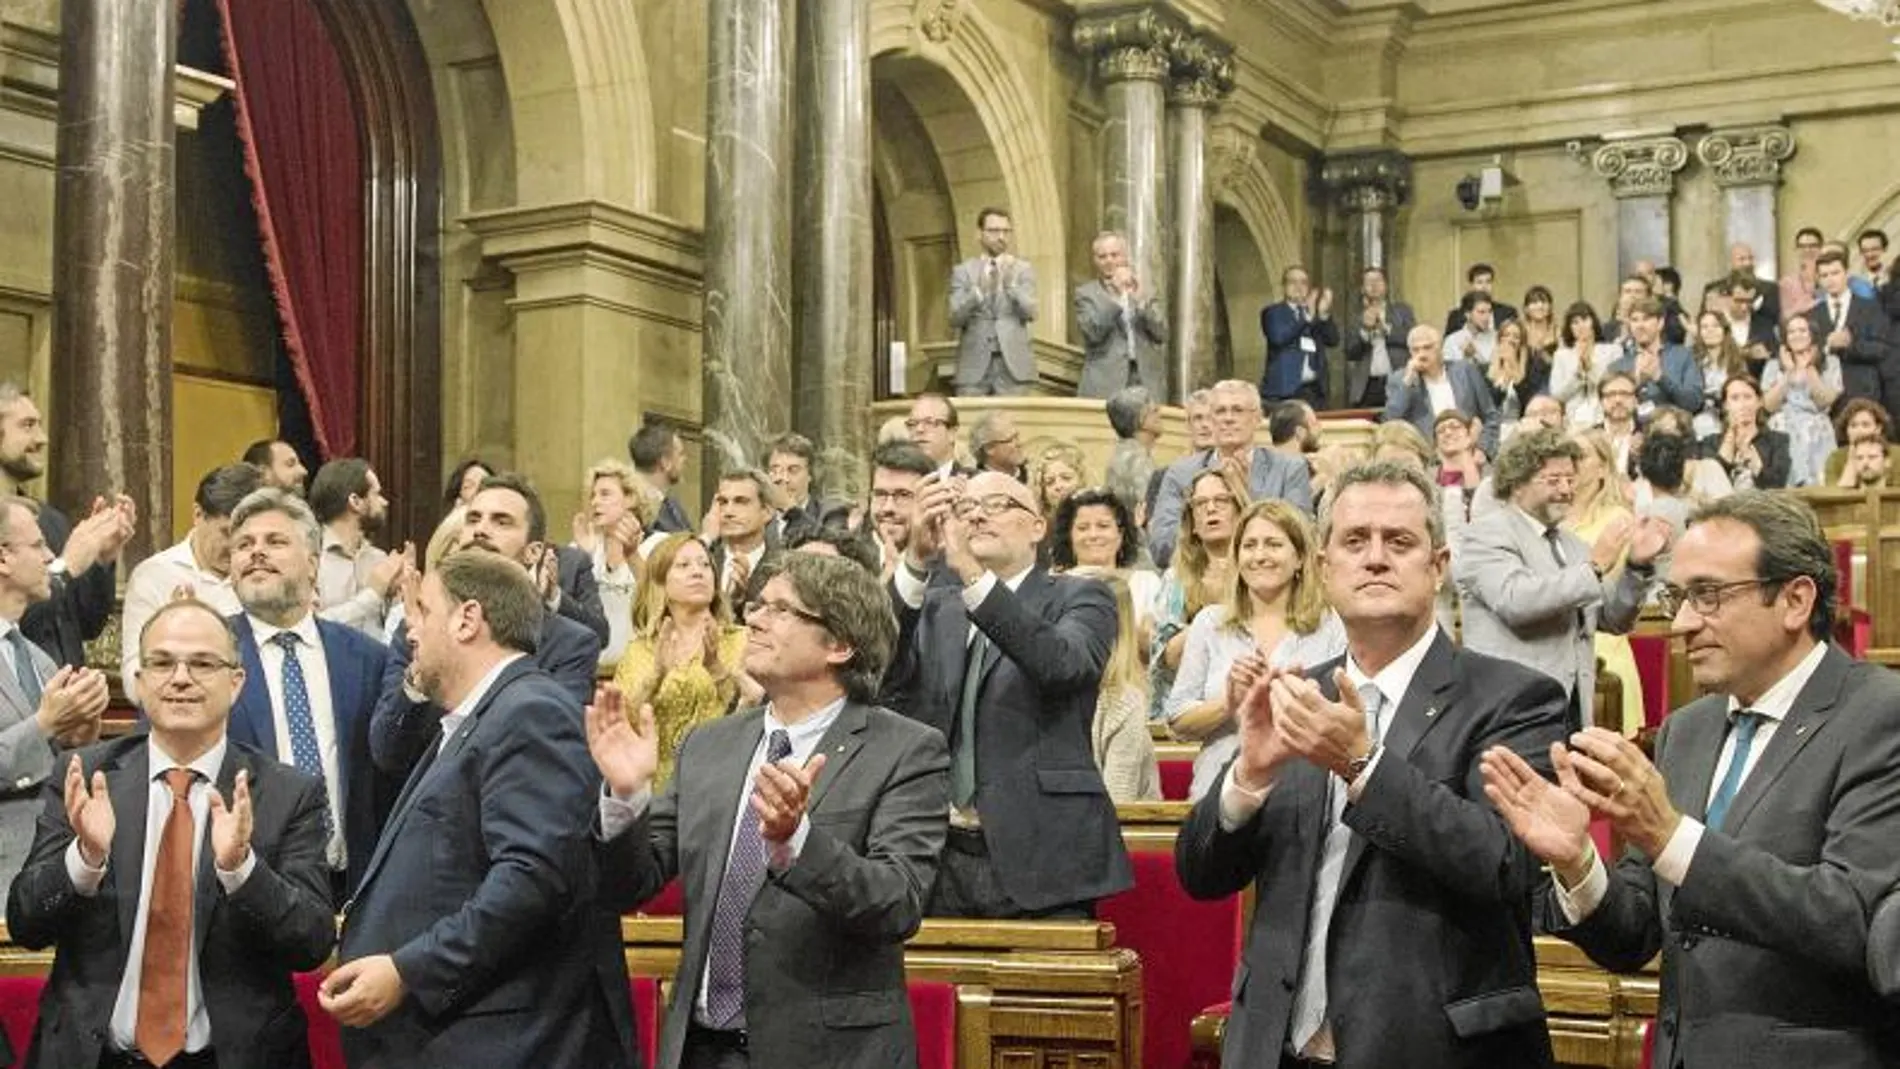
(761, 610)
(900, 497)
(1202, 504)
(199, 667)
(993, 505)
(917, 423)
(1705, 598)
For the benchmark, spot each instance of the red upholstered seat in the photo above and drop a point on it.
(19, 1009)
(1854, 627)
(670, 902)
(1188, 952)
(933, 1011)
(647, 1012)
(326, 1036)
(1652, 672)
(1177, 775)
(1649, 1044)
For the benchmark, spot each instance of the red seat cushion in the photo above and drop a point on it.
(1652, 672)
(1649, 1043)
(670, 902)
(1188, 952)
(933, 1011)
(326, 1036)
(647, 1014)
(19, 1009)
(1177, 776)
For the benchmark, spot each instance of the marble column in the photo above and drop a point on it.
(832, 239)
(1746, 163)
(747, 369)
(1203, 74)
(1642, 176)
(1132, 57)
(1366, 189)
(111, 405)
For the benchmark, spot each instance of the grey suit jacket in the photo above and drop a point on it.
(995, 322)
(1272, 474)
(825, 974)
(1520, 605)
(1107, 330)
(1764, 944)
(1399, 323)
(1412, 402)
(26, 760)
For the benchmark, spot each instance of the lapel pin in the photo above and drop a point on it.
(1431, 711)
(1801, 729)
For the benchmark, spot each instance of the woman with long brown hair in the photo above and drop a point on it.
(1720, 360)
(1202, 568)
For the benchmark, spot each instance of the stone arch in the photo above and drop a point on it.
(1882, 211)
(578, 90)
(1248, 189)
(958, 45)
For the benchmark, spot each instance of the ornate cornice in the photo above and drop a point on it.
(1203, 70)
(1639, 167)
(1131, 45)
(937, 19)
(1378, 180)
(1746, 156)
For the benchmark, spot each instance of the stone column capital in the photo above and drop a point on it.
(1637, 167)
(1747, 155)
(1373, 181)
(1203, 71)
(1137, 44)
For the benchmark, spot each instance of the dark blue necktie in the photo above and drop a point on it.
(23, 667)
(1747, 722)
(303, 724)
(745, 872)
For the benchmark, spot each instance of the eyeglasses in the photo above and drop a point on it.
(1558, 482)
(199, 668)
(1202, 504)
(917, 423)
(901, 497)
(1705, 598)
(993, 505)
(762, 610)
(1619, 392)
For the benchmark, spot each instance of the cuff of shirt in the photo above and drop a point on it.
(1237, 803)
(1582, 900)
(974, 593)
(909, 587)
(782, 856)
(1358, 785)
(86, 879)
(1672, 865)
(618, 813)
(233, 881)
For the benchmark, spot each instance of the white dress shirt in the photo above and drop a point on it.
(86, 881)
(150, 586)
(452, 720)
(1439, 392)
(1672, 865)
(316, 682)
(343, 590)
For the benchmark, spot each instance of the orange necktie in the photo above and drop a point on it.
(160, 1031)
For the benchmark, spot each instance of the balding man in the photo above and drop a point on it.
(1235, 410)
(1430, 385)
(1123, 323)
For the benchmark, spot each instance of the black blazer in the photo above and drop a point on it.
(1763, 946)
(580, 591)
(80, 606)
(1429, 953)
(1777, 459)
(483, 889)
(249, 943)
(1046, 815)
(1864, 364)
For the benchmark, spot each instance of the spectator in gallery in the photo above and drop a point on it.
(1800, 288)
(1800, 389)
(279, 462)
(1720, 360)
(1376, 347)
(1754, 331)
(1477, 337)
(1665, 374)
(1541, 328)
(1634, 287)
(1852, 329)
(1859, 418)
(1432, 385)
(1860, 285)
(1872, 245)
(1576, 372)
(1756, 455)
(1516, 373)
(1299, 329)
(1767, 302)
(1869, 464)
(1119, 738)
(992, 303)
(1123, 322)
(1666, 284)
(1704, 478)
(1480, 278)
(1136, 421)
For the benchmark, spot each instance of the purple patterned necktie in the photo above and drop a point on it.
(745, 871)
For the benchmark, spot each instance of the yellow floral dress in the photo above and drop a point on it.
(1614, 650)
(683, 698)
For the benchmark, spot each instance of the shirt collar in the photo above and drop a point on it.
(810, 729)
(1536, 525)
(305, 629)
(7, 627)
(332, 543)
(1396, 678)
(180, 554)
(1014, 581)
(1777, 701)
(207, 766)
(482, 686)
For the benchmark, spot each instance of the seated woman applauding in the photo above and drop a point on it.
(684, 657)
(1202, 571)
(1093, 529)
(1799, 389)
(1272, 609)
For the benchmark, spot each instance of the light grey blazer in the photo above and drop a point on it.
(1519, 605)
(992, 322)
(1106, 332)
(26, 759)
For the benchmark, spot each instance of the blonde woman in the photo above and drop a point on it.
(1123, 748)
(610, 531)
(1199, 576)
(1516, 375)
(1059, 471)
(684, 656)
(1273, 607)
(1603, 496)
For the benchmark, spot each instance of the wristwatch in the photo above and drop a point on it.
(1358, 765)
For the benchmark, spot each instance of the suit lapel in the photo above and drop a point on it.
(253, 712)
(840, 744)
(1432, 689)
(204, 885)
(727, 782)
(12, 699)
(1804, 721)
(129, 786)
(341, 672)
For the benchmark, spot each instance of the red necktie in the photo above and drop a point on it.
(160, 1031)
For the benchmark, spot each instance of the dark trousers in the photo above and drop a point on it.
(967, 886)
(708, 1049)
(1374, 395)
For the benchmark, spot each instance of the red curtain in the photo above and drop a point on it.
(297, 121)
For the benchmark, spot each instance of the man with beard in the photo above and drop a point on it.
(279, 463)
(310, 685)
(896, 470)
(1535, 593)
(356, 582)
(1294, 430)
(84, 553)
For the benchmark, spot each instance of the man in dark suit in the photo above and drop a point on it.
(1479, 278)
(1006, 661)
(1429, 385)
(742, 516)
(84, 585)
(1768, 825)
(157, 960)
(1394, 917)
(1854, 330)
(1235, 410)
(564, 577)
(1376, 350)
(510, 523)
(813, 823)
(660, 458)
(310, 685)
(1298, 330)
(1754, 329)
(473, 938)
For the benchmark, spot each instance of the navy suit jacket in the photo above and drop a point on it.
(1285, 357)
(356, 664)
(80, 606)
(580, 591)
(483, 889)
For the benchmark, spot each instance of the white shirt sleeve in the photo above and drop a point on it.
(234, 881)
(86, 879)
(1237, 803)
(1672, 865)
(618, 813)
(1577, 903)
(909, 587)
(974, 593)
